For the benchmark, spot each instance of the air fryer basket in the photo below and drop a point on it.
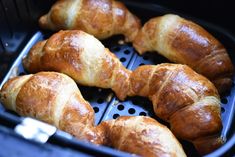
(104, 102)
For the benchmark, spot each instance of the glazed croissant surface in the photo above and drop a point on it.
(101, 18)
(141, 135)
(55, 98)
(180, 96)
(182, 41)
(82, 57)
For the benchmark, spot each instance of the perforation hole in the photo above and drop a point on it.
(224, 100)
(143, 114)
(222, 110)
(100, 101)
(123, 59)
(22, 73)
(115, 116)
(117, 49)
(141, 64)
(145, 57)
(127, 52)
(131, 111)
(120, 107)
(96, 109)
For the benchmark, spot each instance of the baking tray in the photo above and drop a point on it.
(107, 106)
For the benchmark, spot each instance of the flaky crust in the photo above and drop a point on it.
(132, 133)
(54, 98)
(82, 57)
(182, 41)
(185, 99)
(180, 96)
(101, 18)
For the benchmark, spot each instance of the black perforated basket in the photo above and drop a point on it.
(104, 102)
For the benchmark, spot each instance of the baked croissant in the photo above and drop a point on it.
(54, 98)
(141, 135)
(101, 18)
(182, 41)
(82, 57)
(180, 96)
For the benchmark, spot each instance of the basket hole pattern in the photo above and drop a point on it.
(123, 52)
(222, 110)
(127, 52)
(97, 98)
(115, 116)
(22, 73)
(123, 59)
(127, 108)
(131, 111)
(120, 107)
(96, 109)
(143, 114)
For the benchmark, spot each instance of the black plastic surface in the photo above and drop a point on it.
(105, 103)
(16, 146)
(18, 22)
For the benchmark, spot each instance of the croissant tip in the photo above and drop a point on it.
(43, 21)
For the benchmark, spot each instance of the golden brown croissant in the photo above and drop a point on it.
(182, 41)
(54, 98)
(185, 99)
(101, 18)
(141, 135)
(82, 57)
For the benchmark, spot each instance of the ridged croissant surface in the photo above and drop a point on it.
(185, 42)
(180, 96)
(54, 98)
(141, 135)
(101, 18)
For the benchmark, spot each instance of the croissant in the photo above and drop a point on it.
(54, 98)
(180, 96)
(182, 41)
(101, 18)
(141, 135)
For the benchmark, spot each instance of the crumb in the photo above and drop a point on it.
(109, 97)
(115, 102)
(121, 42)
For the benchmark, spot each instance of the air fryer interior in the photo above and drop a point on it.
(19, 32)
